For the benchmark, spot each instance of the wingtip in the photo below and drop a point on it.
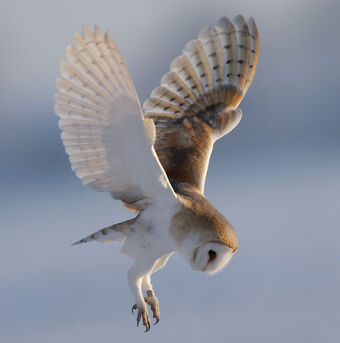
(239, 20)
(86, 31)
(224, 22)
(109, 38)
(204, 34)
(77, 243)
(77, 39)
(99, 32)
(252, 25)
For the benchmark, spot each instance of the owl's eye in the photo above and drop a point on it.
(212, 255)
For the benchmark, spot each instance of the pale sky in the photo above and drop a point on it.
(275, 177)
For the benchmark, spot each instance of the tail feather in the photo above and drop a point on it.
(113, 233)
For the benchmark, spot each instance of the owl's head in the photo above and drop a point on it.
(210, 257)
(203, 237)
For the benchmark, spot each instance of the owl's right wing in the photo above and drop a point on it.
(109, 144)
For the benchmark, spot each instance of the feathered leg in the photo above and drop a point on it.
(135, 277)
(151, 298)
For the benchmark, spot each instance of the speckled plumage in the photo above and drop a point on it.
(156, 162)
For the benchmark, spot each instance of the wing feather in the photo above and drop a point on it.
(197, 101)
(110, 145)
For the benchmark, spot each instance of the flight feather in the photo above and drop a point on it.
(197, 100)
(105, 135)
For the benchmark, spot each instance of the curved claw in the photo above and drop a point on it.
(152, 301)
(142, 314)
(134, 307)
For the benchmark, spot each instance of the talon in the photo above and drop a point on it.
(146, 321)
(152, 301)
(142, 313)
(138, 317)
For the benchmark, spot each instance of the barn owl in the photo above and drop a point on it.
(156, 161)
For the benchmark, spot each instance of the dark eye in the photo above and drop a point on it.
(212, 255)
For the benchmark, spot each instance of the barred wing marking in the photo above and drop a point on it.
(211, 75)
(197, 100)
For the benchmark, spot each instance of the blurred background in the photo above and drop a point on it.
(275, 177)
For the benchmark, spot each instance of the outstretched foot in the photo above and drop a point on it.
(152, 300)
(142, 313)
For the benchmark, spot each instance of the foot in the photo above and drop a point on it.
(142, 313)
(154, 305)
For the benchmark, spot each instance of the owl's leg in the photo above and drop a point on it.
(151, 298)
(135, 276)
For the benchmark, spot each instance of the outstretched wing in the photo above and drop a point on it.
(109, 143)
(196, 102)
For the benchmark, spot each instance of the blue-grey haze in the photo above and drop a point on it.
(275, 177)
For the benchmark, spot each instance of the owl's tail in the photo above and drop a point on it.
(212, 74)
(113, 233)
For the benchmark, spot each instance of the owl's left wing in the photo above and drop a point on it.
(197, 101)
(109, 143)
